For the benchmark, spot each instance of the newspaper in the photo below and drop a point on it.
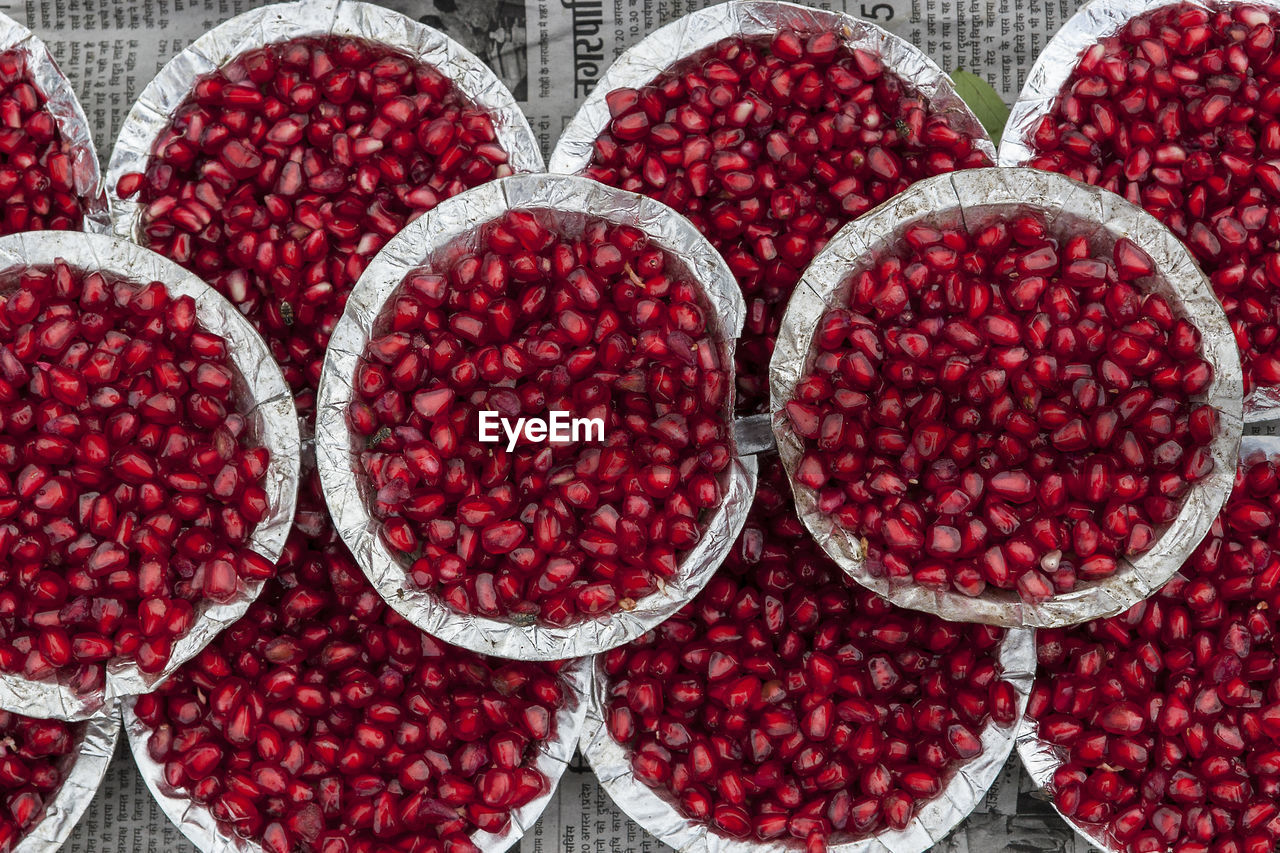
(549, 53)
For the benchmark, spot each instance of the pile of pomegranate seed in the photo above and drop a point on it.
(787, 702)
(1003, 408)
(31, 753)
(1177, 112)
(1167, 717)
(769, 146)
(37, 183)
(129, 483)
(571, 314)
(286, 170)
(322, 722)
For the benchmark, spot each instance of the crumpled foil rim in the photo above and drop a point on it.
(971, 195)
(198, 823)
(73, 126)
(1041, 758)
(656, 812)
(267, 404)
(441, 230)
(668, 45)
(152, 113)
(85, 769)
(1095, 21)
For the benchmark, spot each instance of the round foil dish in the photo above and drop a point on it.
(1095, 23)
(202, 828)
(434, 240)
(971, 201)
(268, 406)
(1042, 758)
(654, 810)
(69, 118)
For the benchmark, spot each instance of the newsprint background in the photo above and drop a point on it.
(550, 53)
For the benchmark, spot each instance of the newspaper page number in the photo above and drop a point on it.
(873, 11)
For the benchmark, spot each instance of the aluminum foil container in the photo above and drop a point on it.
(1095, 21)
(975, 197)
(439, 234)
(266, 402)
(73, 127)
(198, 824)
(154, 109)
(1042, 758)
(655, 810)
(657, 52)
(82, 768)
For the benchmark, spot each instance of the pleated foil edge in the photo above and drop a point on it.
(273, 421)
(451, 224)
(974, 195)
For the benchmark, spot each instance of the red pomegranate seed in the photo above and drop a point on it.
(1002, 409)
(323, 717)
(769, 146)
(545, 318)
(1167, 717)
(1176, 112)
(110, 441)
(285, 171)
(787, 702)
(36, 173)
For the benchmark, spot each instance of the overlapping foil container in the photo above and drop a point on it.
(265, 400)
(440, 234)
(665, 47)
(73, 127)
(83, 769)
(1042, 758)
(154, 109)
(1094, 22)
(197, 822)
(656, 811)
(974, 198)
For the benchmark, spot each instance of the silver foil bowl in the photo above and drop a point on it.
(154, 109)
(198, 823)
(83, 769)
(73, 127)
(640, 64)
(975, 197)
(436, 236)
(655, 809)
(1041, 758)
(266, 402)
(1094, 22)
